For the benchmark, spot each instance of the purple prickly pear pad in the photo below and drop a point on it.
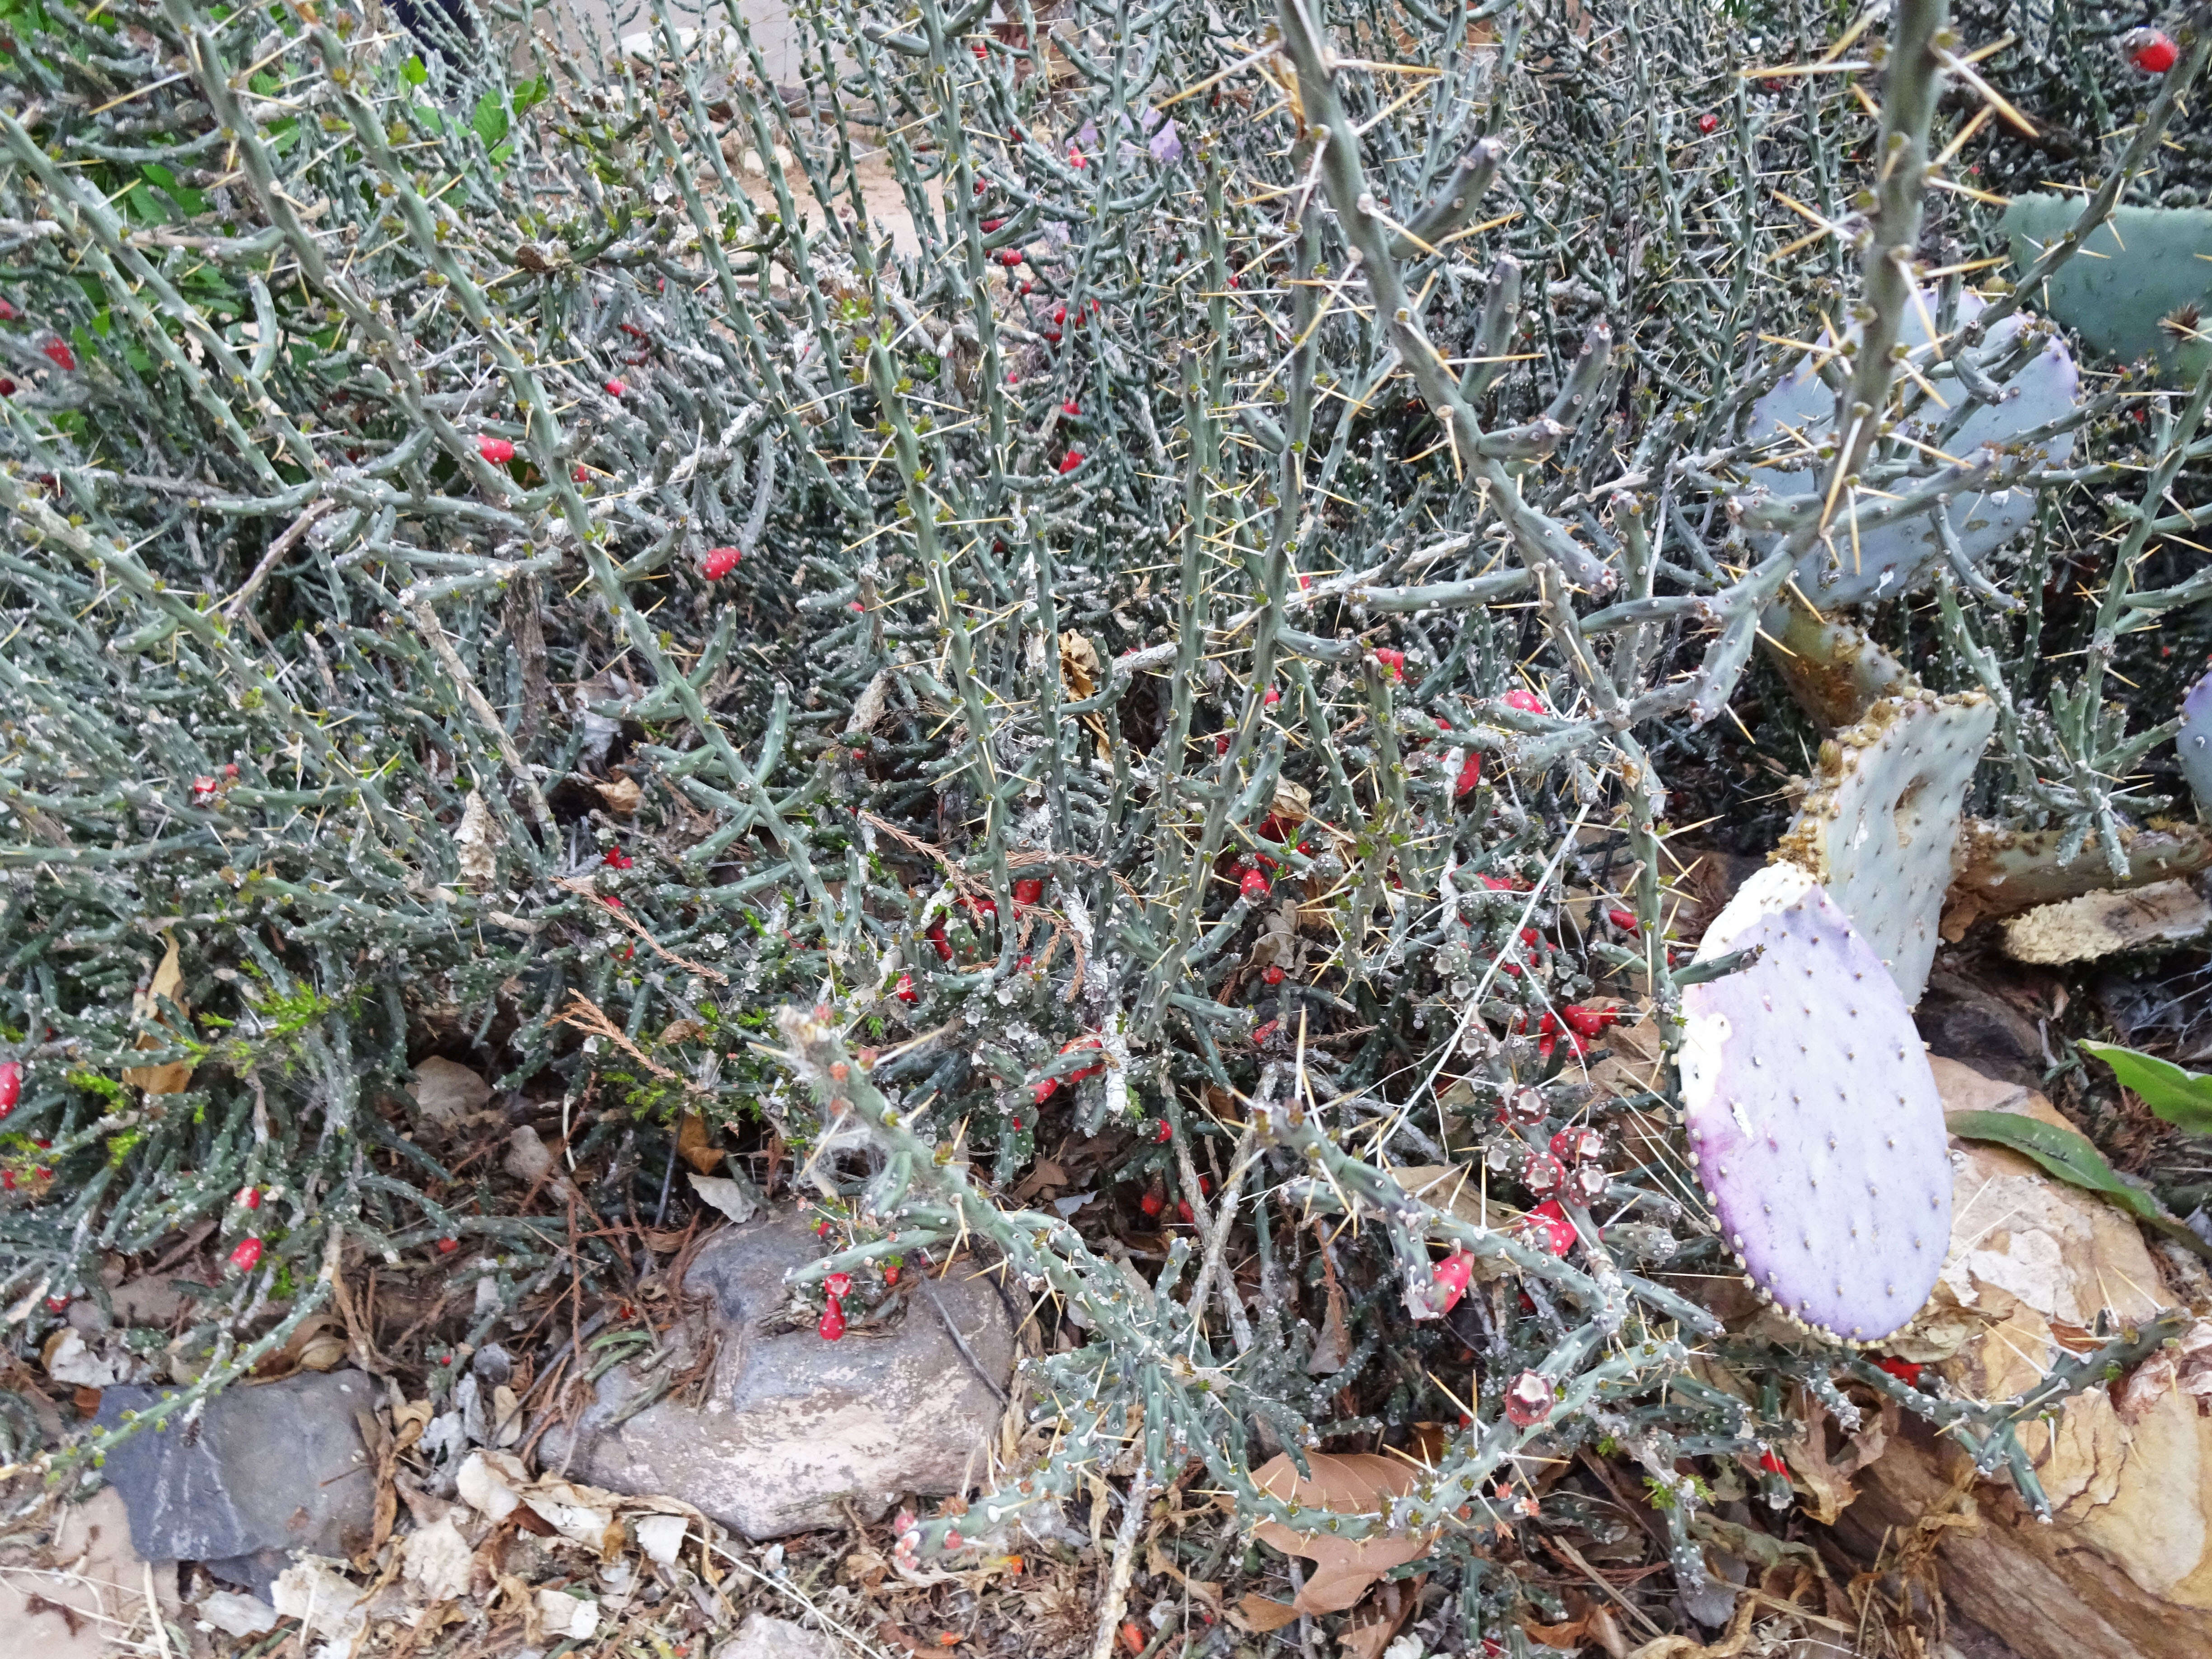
(2193, 742)
(1813, 1116)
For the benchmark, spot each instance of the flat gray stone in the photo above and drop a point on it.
(794, 1429)
(762, 1637)
(266, 1471)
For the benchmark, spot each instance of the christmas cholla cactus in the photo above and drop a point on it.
(1812, 1115)
(1158, 642)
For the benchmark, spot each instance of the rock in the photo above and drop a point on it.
(1973, 1018)
(2166, 913)
(794, 1429)
(762, 1637)
(2125, 1567)
(95, 1591)
(269, 1470)
(237, 1615)
(529, 1160)
(447, 1092)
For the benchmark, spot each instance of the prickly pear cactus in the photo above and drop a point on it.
(1812, 1115)
(2143, 291)
(2193, 742)
(1888, 557)
(1878, 828)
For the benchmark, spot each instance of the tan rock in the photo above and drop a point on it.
(87, 1597)
(2125, 1569)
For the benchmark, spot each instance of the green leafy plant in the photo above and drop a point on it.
(2074, 1159)
(2180, 1097)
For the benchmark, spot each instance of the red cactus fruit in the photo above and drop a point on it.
(1527, 1107)
(1470, 774)
(249, 1198)
(247, 1255)
(615, 859)
(11, 1085)
(1549, 1229)
(2152, 50)
(1153, 1203)
(1708, 122)
(1526, 701)
(719, 562)
(1029, 890)
(1273, 974)
(59, 354)
(497, 451)
(1528, 1399)
(833, 1322)
(1070, 461)
(615, 388)
(1448, 1282)
(1545, 1175)
(1588, 1022)
(1393, 662)
(1252, 886)
(839, 1285)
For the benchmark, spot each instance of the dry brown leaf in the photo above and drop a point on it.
(475, 839)
(316, 1345)
(694, 1146)
(680, 1031)
(1454, 1189)
(1333, 1342)
(1259, 1615)
(1376, 1622)
(169, 983)
(1825, 1480)
(622, 796)
(1045, 1173)
(1357, 1483)
(1732, 1642)
(1567, 1636)
(1079, 665)
(1156, 1560)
